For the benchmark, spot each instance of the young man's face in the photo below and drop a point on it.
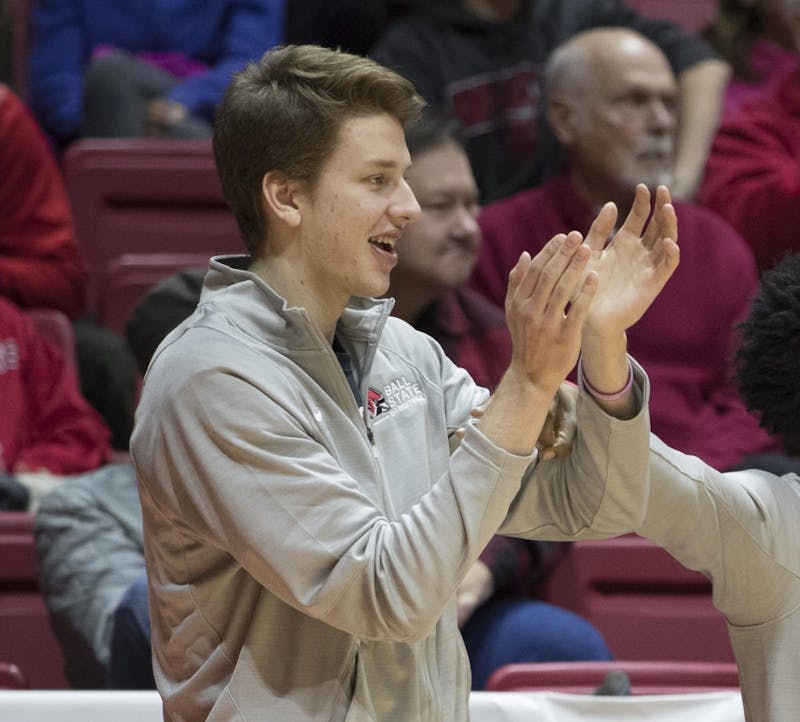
(441, 248)
(354, 216)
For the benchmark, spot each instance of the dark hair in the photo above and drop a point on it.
(283, 113)
(768, 371)
(433, 129)
(160, 310)
(732, 33)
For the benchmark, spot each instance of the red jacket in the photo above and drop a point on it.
(686, 339)
(753, 173)
(46, 423)
(39, 260)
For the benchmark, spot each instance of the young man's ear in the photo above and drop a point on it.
(279, 198)
(562, 117)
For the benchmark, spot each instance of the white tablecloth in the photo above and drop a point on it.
(557, 707)
(80, 706)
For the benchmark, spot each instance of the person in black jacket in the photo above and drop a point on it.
(482, 60)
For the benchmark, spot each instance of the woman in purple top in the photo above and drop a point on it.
(142, 67)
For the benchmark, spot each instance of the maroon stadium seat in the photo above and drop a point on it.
(25, 635)
(693, 15)
(144, 207)
(646, 604)
(646, 677)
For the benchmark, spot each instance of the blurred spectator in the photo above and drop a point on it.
(89, 551)
(47, 430)
(760, 39)
(482, 61)
(41, 265)
(753, 172)
(127, 68)
(611, 103)
(160, 310)
(6, 41)
(439, 251)
(351, 25)
(500, 622)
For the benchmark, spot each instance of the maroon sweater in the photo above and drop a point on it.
(39, 261)
(46, 423)
(687, 338)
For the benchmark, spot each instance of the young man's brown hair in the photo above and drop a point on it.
(283, 113)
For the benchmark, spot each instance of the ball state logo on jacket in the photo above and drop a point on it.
(376, 403)
(395, 396)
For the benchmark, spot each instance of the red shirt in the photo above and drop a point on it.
(687, 338)
(40, 265)
(46, 423)
(753, 173)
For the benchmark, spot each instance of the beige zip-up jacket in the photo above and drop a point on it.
(303, 554)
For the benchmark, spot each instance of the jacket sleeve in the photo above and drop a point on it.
(598, 491)
(363, 571)
(735, 528)
(58, 58)
(66, 436)
(253, 27)
(40, 264)
(89, 549)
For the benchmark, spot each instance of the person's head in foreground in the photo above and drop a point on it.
(440, 249)
(310, 148)
(611, 103)
(768, 378)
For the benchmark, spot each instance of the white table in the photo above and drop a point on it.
(82, 706)
(557, 707)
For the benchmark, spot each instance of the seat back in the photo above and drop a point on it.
(646, 677)
(646, 604)
(143, 208)
(692, 15)
(25, 633)
(11, 677)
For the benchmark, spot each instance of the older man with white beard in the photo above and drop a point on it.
(611, 101)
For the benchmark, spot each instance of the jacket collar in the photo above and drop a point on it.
(231, 285)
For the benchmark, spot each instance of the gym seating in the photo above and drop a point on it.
(641, 599)
(25, 636)
(646, 677)
(144, 208)
(11, 677)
